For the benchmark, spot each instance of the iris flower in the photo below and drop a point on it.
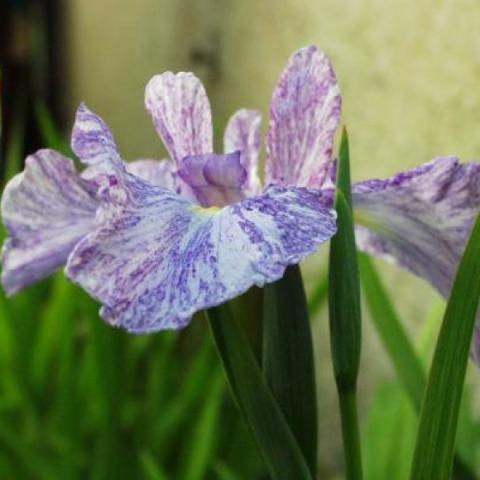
(156, 241)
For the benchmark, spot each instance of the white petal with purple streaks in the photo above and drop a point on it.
(159, 259)
(304, 116)
(181, 113)
(47, 209)
(243, 134)
(157, 172)
(92, 141)
(420, 219)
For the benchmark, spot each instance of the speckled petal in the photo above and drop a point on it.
(159, 259)
(304, 116)
(92, 141)
(181, 113)
(421, 220)
(243, 134)
(216, 180)
(158, 172)
(47, 209)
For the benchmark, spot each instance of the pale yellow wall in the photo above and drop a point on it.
(409, 70)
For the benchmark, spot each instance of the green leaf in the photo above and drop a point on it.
(394, 338)
(262, 414)
(343, 169)
(408, 365)
(389, 434)
(200, 447)
(344, 285)
(434, 448)
(151, 469)
(288, 361)
(345, 315)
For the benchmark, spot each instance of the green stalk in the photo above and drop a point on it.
(345, 315)
(351, 435)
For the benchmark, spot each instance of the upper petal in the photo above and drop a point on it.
(304, 116)
(158, 260)
(420, 219)
(243, 134)
(47, 209)
(92, 141)
(181, 113)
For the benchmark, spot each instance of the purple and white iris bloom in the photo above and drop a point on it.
(155, 241)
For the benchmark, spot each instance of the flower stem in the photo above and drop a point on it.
(350, 433)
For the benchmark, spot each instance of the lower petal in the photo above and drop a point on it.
(47, 209)
(160, 259)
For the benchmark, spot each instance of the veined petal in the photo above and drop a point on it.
(160, 259)
(47, 209)
(420, 219)
(92, 141)
(157, 172)
(304, 116)
(243, 134)
(181, 113)
(216, 180)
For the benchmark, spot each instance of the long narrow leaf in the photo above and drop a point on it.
(345, 315)
(275, 440)
(200, 448)
(394, 338)
(408, 365)
(434, 448)
(288, 362)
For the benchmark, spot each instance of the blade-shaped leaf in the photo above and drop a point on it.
(345, 314)
(344, 285)
(288, 362)
(394, 338)
(262, 414)
(439, 415)
(408, 365)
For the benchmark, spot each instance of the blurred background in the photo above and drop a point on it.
(79, 399)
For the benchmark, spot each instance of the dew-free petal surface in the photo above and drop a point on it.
(216, 180)
(181, 114)
(243, 134)
(157, 172)
(47, 209)
(304, 116)
(421, 219)
(157, 260)
(92, 141)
